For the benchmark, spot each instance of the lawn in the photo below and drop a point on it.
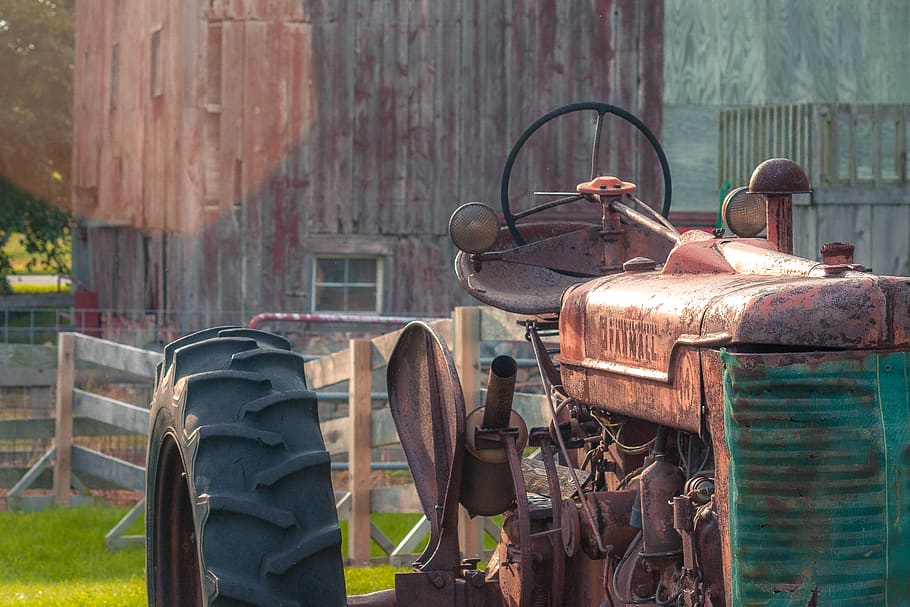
(57, 558)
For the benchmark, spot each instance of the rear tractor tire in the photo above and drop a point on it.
(239, 501)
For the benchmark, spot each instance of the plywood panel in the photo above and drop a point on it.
(843, 223)
(891, 239)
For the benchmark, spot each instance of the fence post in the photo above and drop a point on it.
(360, 406)
(466, 333)
(63, 431)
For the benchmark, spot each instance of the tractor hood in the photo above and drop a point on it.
(724, 292)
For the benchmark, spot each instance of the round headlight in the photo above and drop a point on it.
(745, 213)
(474, 227)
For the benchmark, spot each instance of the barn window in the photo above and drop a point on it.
(347, 284)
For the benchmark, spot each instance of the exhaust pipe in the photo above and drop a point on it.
(486, 485)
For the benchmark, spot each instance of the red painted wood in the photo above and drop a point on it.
(338, 127)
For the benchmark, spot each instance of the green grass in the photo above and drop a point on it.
(57, 558)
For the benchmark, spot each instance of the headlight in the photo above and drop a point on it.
(745, 213)
(474, 227)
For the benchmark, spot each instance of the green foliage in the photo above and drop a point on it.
(43, 229)
(36, 52)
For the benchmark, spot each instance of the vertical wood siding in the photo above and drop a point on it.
(275, 130)
(730, 53)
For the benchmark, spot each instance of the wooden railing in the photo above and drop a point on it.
(838, 144)
(367, 427)
(80, 412)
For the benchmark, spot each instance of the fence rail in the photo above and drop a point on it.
(839, 145)
(81, 412)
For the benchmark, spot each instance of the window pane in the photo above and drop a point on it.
(362, 299)
(330, 270)
(362, 270)
(329, 298)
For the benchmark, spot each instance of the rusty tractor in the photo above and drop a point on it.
(730, 424)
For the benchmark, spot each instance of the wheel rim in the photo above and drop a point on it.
(175, 556)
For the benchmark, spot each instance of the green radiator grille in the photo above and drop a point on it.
(819, 479)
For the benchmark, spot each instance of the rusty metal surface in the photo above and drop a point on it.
(837, 253)
(486, 487)
(779, 176)
(613, 510)
(525, 560)
(779, 213)
(497, 409)
(532, 279)
(428, 408)
(629, 340)
(324, 318)
(709, 553)
(713, 368)
(659, 483)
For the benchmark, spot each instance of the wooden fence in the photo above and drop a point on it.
(80, 413)
(84, 413)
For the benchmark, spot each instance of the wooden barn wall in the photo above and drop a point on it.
(219, 145)
(730, 53)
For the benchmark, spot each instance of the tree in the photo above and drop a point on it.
(36, 59)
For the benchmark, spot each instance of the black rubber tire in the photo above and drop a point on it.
(239, 502)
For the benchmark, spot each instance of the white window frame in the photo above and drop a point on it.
(378, 285)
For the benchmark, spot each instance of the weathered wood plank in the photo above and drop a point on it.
(118, 472)
(33, 474)
(498, 325)
(116, 356)
(32, 428)
(63, 426)
(111, 411)
(10, 476)
(17, 377)
(359, 430)
(397, 498)
(288, 120)
(466, 324)
(334, 368)
(258, 110)
(115, 538)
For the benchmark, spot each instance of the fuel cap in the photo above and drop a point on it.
(639, 264)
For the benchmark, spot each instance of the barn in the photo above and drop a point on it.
(239, 156)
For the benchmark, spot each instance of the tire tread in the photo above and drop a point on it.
(257, 469)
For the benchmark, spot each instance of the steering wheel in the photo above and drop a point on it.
(587, 106)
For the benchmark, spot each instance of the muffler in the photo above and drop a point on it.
(487, 488)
